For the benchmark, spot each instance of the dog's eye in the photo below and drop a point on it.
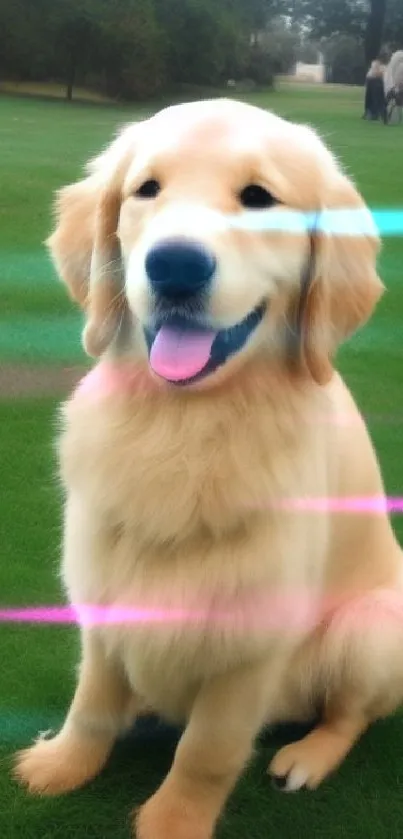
(149, 189)
(255, 197)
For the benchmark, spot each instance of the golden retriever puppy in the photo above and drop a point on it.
(211, 460)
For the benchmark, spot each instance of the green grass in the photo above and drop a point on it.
(43, 145)
(49, 90)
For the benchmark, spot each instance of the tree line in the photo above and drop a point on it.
(135, 49)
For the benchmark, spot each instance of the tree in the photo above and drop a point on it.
(393, 30)
(366, 21)
(344, 59)
(26, 41)
(280, 43)
(196, 40)
(370, 22)
(134, 51)
(374, 30)
(208, 42)
(324, 18)
(136, 48)
(75, 40)
(308, 51)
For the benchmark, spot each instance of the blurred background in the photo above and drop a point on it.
(137, 49)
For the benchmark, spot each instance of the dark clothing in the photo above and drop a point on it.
(375, 103)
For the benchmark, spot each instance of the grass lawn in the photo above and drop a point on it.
(51, 91)
(43, 145)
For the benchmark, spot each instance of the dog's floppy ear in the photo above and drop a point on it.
(84, 245)
(344, 287)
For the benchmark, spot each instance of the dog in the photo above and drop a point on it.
(393, 77)
(210, 588)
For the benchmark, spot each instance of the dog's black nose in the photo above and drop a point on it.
(179, 268)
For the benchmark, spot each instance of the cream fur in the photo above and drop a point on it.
(172, 496)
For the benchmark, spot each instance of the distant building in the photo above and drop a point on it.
(315, 73)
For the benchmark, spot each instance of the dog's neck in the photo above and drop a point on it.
(257, 380)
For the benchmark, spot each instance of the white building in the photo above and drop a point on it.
(314, 73)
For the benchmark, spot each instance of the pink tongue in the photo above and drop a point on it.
(178, 354)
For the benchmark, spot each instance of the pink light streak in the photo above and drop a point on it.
(298, 611)
(372, 504)
(86, 615)
(276, 612)
(301, 610)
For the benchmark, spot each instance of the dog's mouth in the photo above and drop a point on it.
(182, 352)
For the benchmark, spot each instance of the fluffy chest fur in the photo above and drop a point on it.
(173, 511)
(172, 464)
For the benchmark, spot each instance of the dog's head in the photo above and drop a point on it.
(157, 245)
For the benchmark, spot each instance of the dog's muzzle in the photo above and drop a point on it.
(183, 347)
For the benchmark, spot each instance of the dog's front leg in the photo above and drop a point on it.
(96, 716)
(214, 749)
(101, 704)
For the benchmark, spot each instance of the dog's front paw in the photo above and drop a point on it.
(59, 765)
(166, 817)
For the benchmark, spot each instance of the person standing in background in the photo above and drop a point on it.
(375, 101)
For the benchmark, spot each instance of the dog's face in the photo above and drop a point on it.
(157, 245)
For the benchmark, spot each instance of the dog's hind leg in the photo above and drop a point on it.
(307, 762)
(358, 672)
